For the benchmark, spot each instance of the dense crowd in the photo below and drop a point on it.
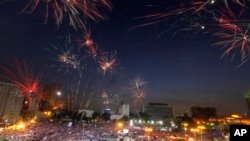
(47, 130)
(62, 131)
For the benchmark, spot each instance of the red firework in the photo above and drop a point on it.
(107, 62)
(235, 40)
(23, 76)
(86, 39)
(88, 42)
(70, 9)
(234, 32)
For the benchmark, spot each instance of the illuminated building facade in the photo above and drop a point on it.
(11, 101)
(124, 110)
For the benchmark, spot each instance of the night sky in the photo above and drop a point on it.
(183, 69)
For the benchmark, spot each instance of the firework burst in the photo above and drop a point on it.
(233, 39)
(137, 83)
(68, 58)
(71, 61)
(138, 88)
(108, 99)
(87, 41)
(23, 76)
(233, 32)
(74, 11)
(181, 16)
(107, 62)
(59, 9)
(192, 15)
(90, 8)
(205, 16)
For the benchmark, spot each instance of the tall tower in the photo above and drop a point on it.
(11, 100)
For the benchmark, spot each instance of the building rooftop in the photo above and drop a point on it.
(157, 104)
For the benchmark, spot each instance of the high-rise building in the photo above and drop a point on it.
(159, 111)
(11, 101)
(124, 110)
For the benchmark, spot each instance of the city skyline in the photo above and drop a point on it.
(179, 66)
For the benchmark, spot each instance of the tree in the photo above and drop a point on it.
(44, 106)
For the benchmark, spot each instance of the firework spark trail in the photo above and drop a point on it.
(108, 98)
(90, 9)
(206, 16)
(91, 94)
(234, 35)
(234, 40)
(23, 76)
(68, 58)
(139, 96)
(86, 41)
(58, 9)
(78, 86)
(83, 95)
(75, 11)
(73, 63)
(137, 83)
(90, 90)
(92, 51)
(71, 98)
(137, 87)
(193, 9)
(202, 5)
(188, 17)
(76, 90)
(107, 62)
(159, 17)
(233, 32)
(89, 99)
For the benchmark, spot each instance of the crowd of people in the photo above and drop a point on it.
(63, 131)
(70, 130)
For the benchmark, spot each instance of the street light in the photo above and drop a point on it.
(194, 130)
(185, 128)
(119, 125)
(148, 130)
(200, 127)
